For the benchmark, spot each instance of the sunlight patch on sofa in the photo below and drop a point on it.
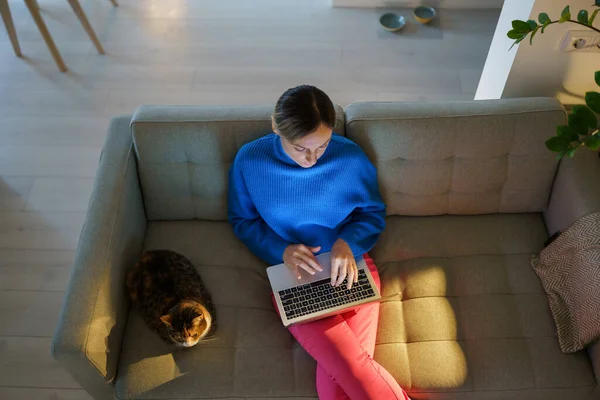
(420, 349)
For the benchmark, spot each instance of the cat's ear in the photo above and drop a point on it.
(196, 321)
(167, 319)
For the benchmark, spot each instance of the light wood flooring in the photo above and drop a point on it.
(52, 125)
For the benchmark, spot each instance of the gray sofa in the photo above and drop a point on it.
(471, 194)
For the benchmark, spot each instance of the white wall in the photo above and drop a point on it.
(541, 69)
(500, 59)
(414, 3)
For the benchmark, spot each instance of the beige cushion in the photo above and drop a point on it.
(569, 269)
(461, 157)
(465, 314)
(253, 355)
(184, 154)
(472, 319)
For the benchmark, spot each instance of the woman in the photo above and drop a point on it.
(302, 191)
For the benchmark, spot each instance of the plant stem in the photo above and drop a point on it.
(578, 23)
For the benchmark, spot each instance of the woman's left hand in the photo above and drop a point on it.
(343, 264)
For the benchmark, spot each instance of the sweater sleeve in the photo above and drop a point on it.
(367, 221)
(247, 223)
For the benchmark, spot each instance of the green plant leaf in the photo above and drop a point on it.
(519, 40)
(592, 99)
(571, 152)
(514, 34)
(521, 26)
(588, 117)
(543, 18)
(567, 131)
(592, 141)
(593, 17)
(578, 123)
(533, 34)
(582, 17)
(532, 24)
(565, 15)
(597, 77)
(597, 3)
(558, 143)
(544, 26)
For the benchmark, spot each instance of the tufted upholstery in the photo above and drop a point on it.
(253, 355)
(461, 157)
(464, 313)
(184, 155)
(463, 316)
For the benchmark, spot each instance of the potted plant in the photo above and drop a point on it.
(582, 129)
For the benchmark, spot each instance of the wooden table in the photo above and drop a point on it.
(34, 10)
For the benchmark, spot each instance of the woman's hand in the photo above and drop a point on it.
(298, 256)
(343, 264)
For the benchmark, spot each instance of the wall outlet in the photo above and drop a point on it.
(580, 42)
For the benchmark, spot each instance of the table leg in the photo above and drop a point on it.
(86, 24)
(37, 17)
(10, 27)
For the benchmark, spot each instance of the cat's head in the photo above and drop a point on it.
(187, 323)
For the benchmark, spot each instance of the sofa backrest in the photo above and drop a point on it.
(473, 157)
(184, 154)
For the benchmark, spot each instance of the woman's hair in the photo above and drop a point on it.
(301, 110)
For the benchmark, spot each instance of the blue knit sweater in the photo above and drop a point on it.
(274, 202)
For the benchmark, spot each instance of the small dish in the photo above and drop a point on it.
(392, 22)
(424, 14)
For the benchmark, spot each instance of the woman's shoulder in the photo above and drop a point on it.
(347, 148)
(255, 148)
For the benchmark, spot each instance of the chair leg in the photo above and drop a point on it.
(37, 17)
(86, 24)
(10, 27)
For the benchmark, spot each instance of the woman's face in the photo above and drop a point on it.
(307, 150)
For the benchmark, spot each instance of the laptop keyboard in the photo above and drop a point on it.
(320, 295)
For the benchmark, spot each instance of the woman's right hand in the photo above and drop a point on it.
(298, 256)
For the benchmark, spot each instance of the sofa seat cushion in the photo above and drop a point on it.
(252, 355)
(464, 316)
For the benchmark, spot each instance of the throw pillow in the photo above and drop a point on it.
(569, 269)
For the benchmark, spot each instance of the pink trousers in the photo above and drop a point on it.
(343, 346)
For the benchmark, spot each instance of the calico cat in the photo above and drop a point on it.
(172, 297)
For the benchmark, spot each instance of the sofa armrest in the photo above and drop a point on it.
(87, 341)
(575, 192)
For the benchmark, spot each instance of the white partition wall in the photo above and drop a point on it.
(541, 69)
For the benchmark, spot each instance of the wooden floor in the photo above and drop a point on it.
(52, 125)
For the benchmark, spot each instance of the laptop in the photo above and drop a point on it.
(312, 297)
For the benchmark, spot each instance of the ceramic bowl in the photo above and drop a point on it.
(424, 14)
(392, 22)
